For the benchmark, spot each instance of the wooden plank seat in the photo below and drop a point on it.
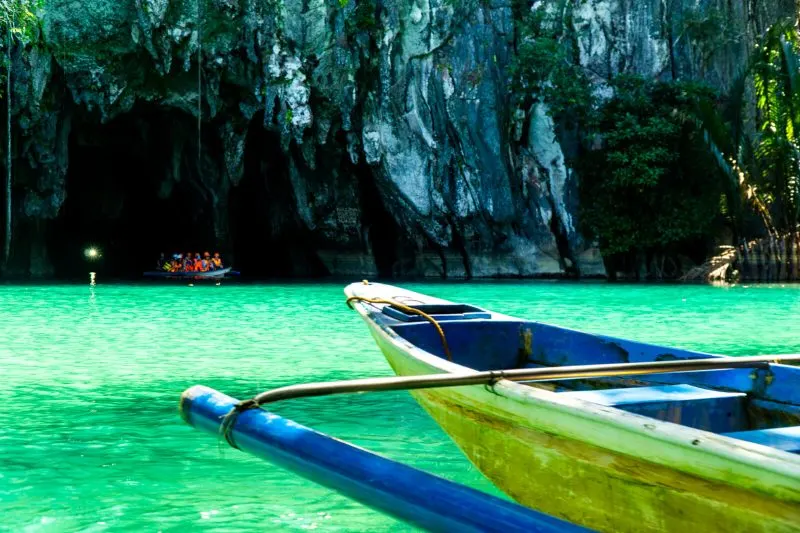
(687, 405)
(786, 439)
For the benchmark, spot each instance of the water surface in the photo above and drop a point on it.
(90, 438)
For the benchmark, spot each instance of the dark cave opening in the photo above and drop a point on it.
(132, 192)
(384, 234)
(267, 236)
(136, 187)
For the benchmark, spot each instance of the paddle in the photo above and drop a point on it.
(490, 377)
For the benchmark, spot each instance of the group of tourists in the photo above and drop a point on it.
(190, 263)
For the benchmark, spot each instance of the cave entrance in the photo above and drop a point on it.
(132, 192)
(269, 239)
(383, 233)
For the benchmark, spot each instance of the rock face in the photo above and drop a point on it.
(350, 137)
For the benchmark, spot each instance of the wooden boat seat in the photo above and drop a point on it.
(687, 405)
(786, 439)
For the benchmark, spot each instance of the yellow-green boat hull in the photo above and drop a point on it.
(584, 467)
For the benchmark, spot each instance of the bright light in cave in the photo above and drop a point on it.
(91, 253)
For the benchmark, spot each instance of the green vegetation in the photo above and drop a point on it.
(648, 185)
(707, 29)
(362, 18)
(19, 16)
(763, 162)
(20, 24)
(544, 68)
(652, 186)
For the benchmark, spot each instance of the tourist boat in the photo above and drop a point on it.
(211, 274)
(623, 450)
(406, 493)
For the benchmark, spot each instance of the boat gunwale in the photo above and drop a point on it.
(751, 460)
(188, 275)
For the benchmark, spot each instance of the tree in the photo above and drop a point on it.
(651, 187)
(20, 25)
(544, 68)
(762, 160)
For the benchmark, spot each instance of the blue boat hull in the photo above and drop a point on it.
(406, 493)
(213, 274)
(686, 451)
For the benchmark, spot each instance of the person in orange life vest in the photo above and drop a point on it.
(198, 262)
(207, 263)
(176, 264)
(217, 261)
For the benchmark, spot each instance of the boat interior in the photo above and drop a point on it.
(759, 405)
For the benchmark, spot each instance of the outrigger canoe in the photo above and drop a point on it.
(406, 493)
(211, 274)
(624, 451)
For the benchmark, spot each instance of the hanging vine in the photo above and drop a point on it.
(7, 240)
(199, 84)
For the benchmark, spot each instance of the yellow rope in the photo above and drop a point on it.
(409, 310)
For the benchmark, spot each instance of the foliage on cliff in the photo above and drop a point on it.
(21, 17)
(652, 185)
(18, 23)
(763, 166)
(545, 68)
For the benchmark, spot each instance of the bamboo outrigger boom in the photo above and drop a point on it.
(490, 377)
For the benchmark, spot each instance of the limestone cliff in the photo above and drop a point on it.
(326, 136)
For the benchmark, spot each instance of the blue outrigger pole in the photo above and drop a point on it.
(393, 488)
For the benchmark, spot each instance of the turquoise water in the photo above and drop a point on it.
(90, 438)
